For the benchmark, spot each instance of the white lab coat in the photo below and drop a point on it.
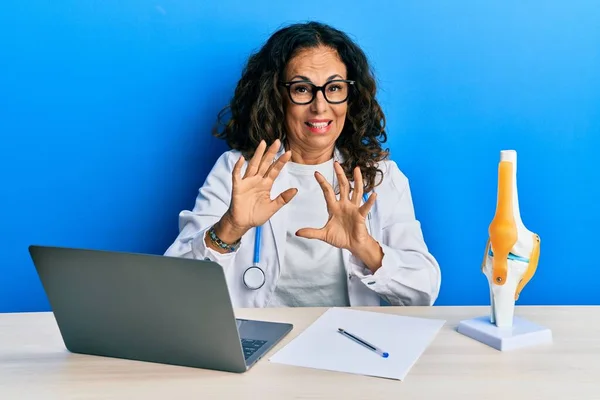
(409, 274)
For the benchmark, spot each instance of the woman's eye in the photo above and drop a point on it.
(301, 89)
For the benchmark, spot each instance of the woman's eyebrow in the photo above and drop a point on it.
(304, 78)
(334, 76)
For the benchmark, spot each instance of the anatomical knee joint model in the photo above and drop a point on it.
(512, 251)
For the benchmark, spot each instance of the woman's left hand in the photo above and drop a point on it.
(346, 227)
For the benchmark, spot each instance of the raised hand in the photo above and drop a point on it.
(251, 203)
(346, 227)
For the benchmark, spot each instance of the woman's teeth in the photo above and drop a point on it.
(317, 125)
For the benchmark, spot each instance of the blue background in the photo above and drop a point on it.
(106, 109)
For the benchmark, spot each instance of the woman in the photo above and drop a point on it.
(305, 132)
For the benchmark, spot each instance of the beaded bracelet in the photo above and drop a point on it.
(218, 242)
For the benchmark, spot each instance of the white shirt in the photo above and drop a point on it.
(313, 272)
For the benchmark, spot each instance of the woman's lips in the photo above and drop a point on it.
(318, 126)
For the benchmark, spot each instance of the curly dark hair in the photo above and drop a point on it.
(257, 108)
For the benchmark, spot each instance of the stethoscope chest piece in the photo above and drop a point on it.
(254, 277)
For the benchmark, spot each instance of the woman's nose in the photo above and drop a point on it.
(319, 104)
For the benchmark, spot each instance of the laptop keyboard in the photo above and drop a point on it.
(250, 346)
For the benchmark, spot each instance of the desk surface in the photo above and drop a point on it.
(34, 364)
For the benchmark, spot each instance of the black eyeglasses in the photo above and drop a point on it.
(304, 92)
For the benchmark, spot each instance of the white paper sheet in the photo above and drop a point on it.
(321, 346)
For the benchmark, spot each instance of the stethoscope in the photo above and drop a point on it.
(254, 276)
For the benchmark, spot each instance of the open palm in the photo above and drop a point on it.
(345, 227)
(251, 203)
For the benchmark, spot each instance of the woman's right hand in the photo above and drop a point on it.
(251, 203)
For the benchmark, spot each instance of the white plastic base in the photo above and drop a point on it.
(522, 334)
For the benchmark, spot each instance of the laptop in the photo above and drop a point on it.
(150, 308)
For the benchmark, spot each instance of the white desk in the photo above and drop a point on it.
(35, 364)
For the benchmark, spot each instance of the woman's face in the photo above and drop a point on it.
(314, 128)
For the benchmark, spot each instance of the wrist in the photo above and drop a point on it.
(218, 244)
(370, 253)
(228, 231)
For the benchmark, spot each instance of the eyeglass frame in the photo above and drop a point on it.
(317, 89)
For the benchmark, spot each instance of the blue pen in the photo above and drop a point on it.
(363, 343)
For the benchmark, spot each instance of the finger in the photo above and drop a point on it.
(255, 160)
(364, 210)
(342, 181)
(327, 189)
(284, 198)
(311, 233)
(237, 169)
(268, 158)
(357, 192)
(276, 167)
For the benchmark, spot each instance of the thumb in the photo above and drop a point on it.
(284, 198)
(311, 233)
(365, 208)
